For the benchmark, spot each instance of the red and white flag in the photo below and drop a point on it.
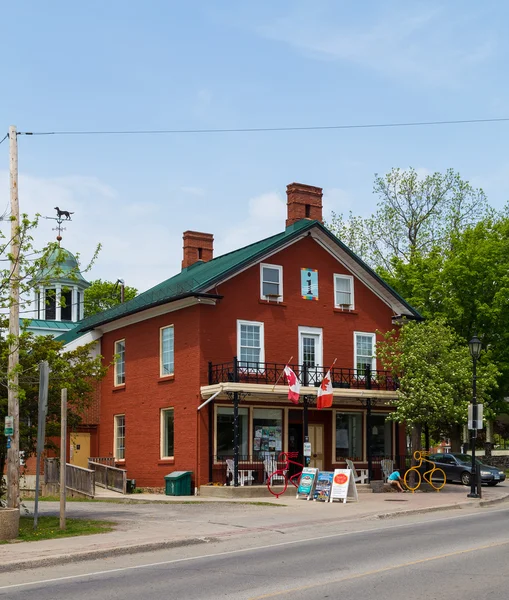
(294, 383)
(324, 394)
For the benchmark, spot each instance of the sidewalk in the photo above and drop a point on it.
(152, 521)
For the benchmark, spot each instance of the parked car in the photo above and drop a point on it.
(458, 467)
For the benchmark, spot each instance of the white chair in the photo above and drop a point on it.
(387, 467)
(269, 466)
(358, 478)
(245, 475)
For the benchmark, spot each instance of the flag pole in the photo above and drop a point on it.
(280, 375)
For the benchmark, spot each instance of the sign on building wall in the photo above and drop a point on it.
(309, 284)
(307, 483)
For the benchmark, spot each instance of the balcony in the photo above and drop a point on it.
(271, 373)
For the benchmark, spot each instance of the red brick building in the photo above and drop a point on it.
(224, 328)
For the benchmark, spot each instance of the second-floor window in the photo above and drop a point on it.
(343, 292)
(271, 282)
(167, 351)
(120, 362)
(250, 342)
(364, 352)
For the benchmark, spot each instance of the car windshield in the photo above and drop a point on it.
(466, 459)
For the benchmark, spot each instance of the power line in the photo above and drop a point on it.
(265, 129)
(4, 138)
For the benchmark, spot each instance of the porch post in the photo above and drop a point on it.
(305, 430)
(368, 423)
(236, 439)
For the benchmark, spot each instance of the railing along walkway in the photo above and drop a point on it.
(110, 478)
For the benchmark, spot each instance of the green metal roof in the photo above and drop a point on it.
(63, 266)
(200, 276)
(46, 324)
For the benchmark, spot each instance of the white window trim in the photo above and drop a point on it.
(115, 437)
(373, 359)
(116, 363)
(161, 373)
(311, 331)
(262, 338)
(351, 306)
(161, 432)
(278, 268)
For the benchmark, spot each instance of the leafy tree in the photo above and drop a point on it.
(102, 295)
(434, 368)
(76, 370)
(414, 215)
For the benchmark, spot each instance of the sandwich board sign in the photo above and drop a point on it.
(343, 486)
(307, 483)
(323, 486)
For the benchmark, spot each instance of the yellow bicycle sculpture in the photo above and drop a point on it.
(433, 474)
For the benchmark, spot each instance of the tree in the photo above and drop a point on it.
(76, 370)
(102, 295)
(434, 369)
(414, 215)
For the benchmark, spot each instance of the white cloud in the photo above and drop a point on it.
(266, 217)
(422, 45)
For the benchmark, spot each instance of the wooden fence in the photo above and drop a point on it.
(108, 477)
(103, 460)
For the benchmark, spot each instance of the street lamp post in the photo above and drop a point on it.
(475, 350)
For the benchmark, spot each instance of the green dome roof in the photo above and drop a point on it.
(63, 266)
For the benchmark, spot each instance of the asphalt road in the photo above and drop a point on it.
(460, 556)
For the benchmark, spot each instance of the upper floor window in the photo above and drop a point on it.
(66, 304)
(51, 304)
(364, 348)
(343, 291)
(250, 342)
(119, 437)
(167, 351)
(120, 362)
(271, 282)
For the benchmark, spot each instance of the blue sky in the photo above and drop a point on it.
(162, 64)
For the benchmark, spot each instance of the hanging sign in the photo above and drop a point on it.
(307, 483)
(309, 284)
(323, 486)
(9, 426)
(343, 486)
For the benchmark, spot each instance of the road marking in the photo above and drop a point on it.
(241, 550)
(378, 571)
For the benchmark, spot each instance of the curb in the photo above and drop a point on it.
(151, 546)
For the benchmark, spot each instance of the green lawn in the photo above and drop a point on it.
(49, 528)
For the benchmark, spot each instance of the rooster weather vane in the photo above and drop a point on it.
(62, 215)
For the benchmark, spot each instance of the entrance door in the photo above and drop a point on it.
(316, 438)
(80, 449)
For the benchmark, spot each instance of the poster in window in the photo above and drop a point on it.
(309, 284)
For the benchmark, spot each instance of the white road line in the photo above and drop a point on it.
(229, 552)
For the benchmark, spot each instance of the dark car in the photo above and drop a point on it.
(458, 467)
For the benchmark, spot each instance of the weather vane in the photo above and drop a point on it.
(62, 215)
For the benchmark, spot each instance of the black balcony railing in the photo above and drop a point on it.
(270, 373)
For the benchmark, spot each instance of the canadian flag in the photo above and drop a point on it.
(294, 383)
(324, 394)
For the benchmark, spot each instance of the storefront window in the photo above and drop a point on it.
(267, 432)
(348, 436)
(381, 435)
(224, 429)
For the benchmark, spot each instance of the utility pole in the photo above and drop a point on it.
(12, 374)
(63, 456)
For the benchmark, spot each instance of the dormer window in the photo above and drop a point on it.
(271, 282)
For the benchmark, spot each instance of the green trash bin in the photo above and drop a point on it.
(178, 483)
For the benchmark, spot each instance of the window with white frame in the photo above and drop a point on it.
(167, 433)
(224, 432)
(271, 282)
(250, 343)
(119, 437)
(343, 291)
(364, 349)
(167, 351)
(120, 362)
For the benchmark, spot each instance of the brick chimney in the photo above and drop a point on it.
(197, 247)
(304, 202)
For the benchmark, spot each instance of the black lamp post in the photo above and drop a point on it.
(475, 350)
